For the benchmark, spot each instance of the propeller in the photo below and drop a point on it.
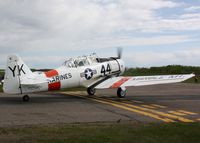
(119, 53)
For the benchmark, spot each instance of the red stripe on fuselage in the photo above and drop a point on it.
(51, 73)
(120, 82)
(55, 85)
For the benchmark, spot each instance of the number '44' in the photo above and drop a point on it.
(105, 70)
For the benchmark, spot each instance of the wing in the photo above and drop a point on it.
(121, 81)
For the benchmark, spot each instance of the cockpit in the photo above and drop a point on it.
(81, 61)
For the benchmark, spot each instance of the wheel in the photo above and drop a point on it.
(121, 92)
(91, 91)
(26, 98)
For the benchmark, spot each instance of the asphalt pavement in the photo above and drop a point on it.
(147, 104)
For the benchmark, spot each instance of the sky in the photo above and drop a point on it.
(151, 32)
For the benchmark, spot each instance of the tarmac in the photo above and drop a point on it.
(147, 104)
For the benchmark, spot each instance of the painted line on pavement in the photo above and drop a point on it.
(159, 106)
(177, 113)
(149, 106)
(133, 108)
(187, 112)
(119, 105)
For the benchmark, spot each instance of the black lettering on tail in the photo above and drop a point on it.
(13, 70)
(21, 69)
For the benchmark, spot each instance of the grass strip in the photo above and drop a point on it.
(101, 132)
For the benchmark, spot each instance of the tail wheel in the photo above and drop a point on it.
(121, 92)
(26, 98)
(91, 91)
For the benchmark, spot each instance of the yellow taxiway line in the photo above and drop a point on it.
(166, 117)
(187, 112)
(136, 101)
(118, 105)
(177, 113)
(149, 106)
(159, 106)
(134, 110)
(175, 117)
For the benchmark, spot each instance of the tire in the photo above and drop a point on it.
(121, 92)
(26, 98)
(91, 91)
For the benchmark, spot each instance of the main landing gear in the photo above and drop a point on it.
(26, 98)
(121, 92)
(91, 91)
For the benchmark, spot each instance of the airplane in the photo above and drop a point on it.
(89, 71)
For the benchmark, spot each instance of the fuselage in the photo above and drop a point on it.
(81, 74)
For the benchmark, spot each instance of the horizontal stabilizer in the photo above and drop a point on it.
(32, 81)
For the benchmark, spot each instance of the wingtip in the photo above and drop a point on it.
(193, 75)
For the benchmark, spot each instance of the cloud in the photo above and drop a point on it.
(192, 8)
(36, 27)
(178, 57)
(134, 41)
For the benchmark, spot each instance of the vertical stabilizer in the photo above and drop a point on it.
(16, 69)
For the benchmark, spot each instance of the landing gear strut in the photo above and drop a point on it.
(121, 92)
(26, 98)
(91, 91)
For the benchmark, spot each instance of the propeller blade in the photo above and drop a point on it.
(119, 53)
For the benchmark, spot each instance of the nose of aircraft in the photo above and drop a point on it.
(122, 66)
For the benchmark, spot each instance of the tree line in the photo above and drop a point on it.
(164, 70)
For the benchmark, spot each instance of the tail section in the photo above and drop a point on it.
(16, 69)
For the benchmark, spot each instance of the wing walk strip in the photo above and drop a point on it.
(159, 115)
